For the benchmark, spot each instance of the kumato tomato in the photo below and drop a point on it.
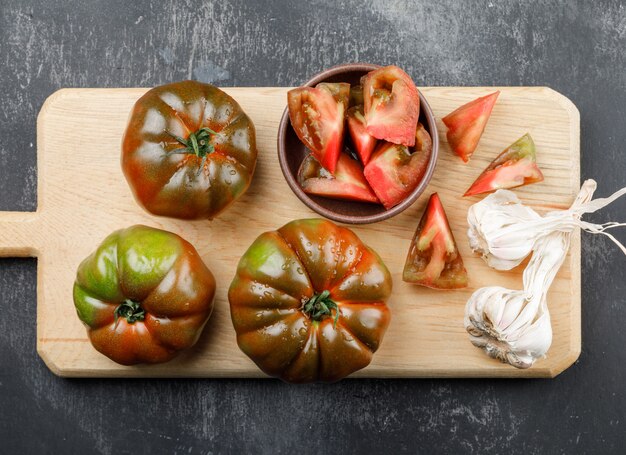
(144, 295)
(189, 150)
(308, 302)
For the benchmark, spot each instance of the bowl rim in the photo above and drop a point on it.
(356, 219)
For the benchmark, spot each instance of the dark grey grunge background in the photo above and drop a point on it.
(577, 48)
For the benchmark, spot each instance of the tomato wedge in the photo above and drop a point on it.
(356, 95)
(467, 123)
(434, 260)
(318, 120)
(391, 105)
(364, 144)
(515, 166)
(339, 90)
(347, 182)
(394, 170)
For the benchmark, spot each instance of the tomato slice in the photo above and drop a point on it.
(515, 166)
(394, 170)
(356, 95)
(339, 90)
(347, 182)
(467, 123)
(391, 105)
(434, 260)
(363, 143)
(318, 120)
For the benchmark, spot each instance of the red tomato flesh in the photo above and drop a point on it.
(467, 123)
(318, 120)
(347, 182)
(434, 260)
(515, 166)
(339, 90)
(394, 170)
(364, 144)
(391, 105)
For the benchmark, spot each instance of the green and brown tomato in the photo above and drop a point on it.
(144, 295)
(308, 302)
(189, 150)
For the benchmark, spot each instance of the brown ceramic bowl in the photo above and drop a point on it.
(291, 153)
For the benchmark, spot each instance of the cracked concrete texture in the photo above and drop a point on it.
(576, 48)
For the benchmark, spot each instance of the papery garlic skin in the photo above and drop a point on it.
(499, 229)
(519, 347)
(504, 231)
(514, 326)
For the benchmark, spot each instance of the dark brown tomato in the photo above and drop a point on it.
(189, 150)
(144, 294)
(308, 302)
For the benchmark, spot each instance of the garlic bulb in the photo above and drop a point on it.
(497, 229)
(504, 231)
(514, 325)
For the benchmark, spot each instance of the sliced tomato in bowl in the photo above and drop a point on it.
(394, 170)
(364, 144)
(433, 259)
(467, 124)
(339, 90)
(347, 183)
(318, 120)
(391, 105)
(356, 95)
(515, 166)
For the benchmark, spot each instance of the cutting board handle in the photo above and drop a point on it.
(19, 234)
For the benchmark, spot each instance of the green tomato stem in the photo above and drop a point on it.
(320, 306)
(198, 144)
(129, 310)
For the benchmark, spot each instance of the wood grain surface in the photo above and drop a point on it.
(83, 196)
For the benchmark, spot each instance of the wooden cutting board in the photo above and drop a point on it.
(83, 196)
